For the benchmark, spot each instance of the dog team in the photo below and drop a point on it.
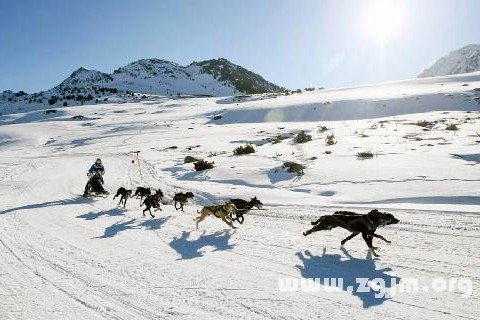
(229, 212)
(235, 209)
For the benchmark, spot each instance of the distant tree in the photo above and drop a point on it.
(52, 100)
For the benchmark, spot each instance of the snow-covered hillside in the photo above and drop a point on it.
(464, 60)
(410, 148)
(216, 77)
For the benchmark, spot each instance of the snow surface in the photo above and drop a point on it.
(66, 257)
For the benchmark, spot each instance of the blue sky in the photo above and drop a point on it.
(295, 44)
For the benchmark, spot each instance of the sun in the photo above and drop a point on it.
(384, 19)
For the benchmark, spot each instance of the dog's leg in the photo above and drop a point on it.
(87, 189)
(201, 217)
(380, 237)
(318, 227)
(306, 233)
(149, 210)
(374, 253)
(238, 216)
(229, 218)
(368, 240)
(181, 206)
(354, 234)
(224, 218)
(175, 205)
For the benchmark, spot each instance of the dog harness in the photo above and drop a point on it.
(365, 219)
(370, 223)
(216, 210)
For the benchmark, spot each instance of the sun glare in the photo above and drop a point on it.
(384, 19)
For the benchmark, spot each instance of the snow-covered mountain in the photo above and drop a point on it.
(86, 78)
(216, 77)
(464, 60)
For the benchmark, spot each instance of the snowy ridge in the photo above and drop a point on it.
(160, 77)
(217, 77)
(456, 92)
(448, 93)
(464, 60)
(86, 78)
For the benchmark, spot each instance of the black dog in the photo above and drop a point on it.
(243, 207)
(181, 198)
(366, 224)
(124, 195)
(141, 193)
(153, 201)
(94, 186)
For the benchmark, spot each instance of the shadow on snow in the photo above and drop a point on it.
(350, 269)
(115, 212)
(64, 202)
(189, 249)
(120, 226)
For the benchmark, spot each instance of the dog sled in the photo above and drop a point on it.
(94, 187)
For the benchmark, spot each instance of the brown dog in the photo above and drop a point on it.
(222, 211)
(182, 199)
